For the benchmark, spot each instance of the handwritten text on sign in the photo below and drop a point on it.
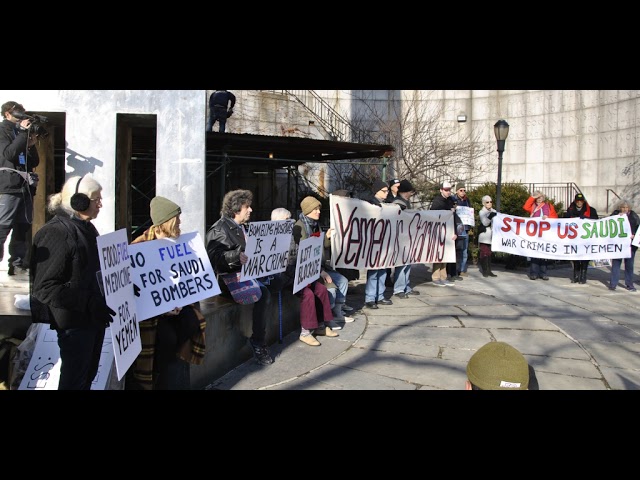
(371, 237)
(562, 238)
(267, 248)
(171, 273)
(115, 269)
(309, 262)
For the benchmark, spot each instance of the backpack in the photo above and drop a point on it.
(481, 228)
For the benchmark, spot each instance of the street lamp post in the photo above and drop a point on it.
(501, 130)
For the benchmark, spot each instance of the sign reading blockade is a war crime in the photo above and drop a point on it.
(267, 248)
(169, 273)
(117, 286)
(309, 262)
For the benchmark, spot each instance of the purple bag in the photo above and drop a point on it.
(244, 293)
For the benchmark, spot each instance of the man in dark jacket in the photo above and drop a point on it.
(19, 157)
(221, 103)
(443, 201)
(401, 287)
(579, 208)
(225, 243)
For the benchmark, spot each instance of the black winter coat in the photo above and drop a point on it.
(224, 242)
(12, 144)
(63, 270)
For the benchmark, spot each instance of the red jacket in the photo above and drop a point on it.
(530, 206)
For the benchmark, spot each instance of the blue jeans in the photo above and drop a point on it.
(538, 267)
(219, 114)
(374, 289)
(80, 350)
(465, 254)
(339, 295)
(628, 270)
(401, 279)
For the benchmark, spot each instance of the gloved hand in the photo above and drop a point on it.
(100, 310)
(491, 215)
(229, 112)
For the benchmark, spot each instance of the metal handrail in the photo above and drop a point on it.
(617, 196)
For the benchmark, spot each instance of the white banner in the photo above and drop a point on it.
(369, 237)
(562, 238)
(171, 273)
(466, 215)
(267, 248)
(636, 238)
(309, 262)
(117, 287)
(43, 372)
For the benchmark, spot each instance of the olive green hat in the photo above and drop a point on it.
(163, 210)
(498, 366)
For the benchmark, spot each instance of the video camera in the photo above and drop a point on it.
(36, 123)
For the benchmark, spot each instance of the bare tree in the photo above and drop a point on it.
(428, 148)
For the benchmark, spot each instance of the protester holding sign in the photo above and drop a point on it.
(486, 214)
(173, 340)
(462, 201)
(580, 208)
(538, 207)
(624, 208)
(226, 243)
(443, 201)
(64, 282)
(315, 307)
(306, 226)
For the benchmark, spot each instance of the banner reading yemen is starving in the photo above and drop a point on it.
(562, 238)
(370, 237)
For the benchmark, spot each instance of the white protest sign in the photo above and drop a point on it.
(309, 262)
(115, 270)
(369, 237)
(466, 215)
(43, 372)
(562, 238)
(636, 238)
(267, 248)
(170, 273)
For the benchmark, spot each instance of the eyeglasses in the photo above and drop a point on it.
(461, 190)
(489, 201)
(97, 200)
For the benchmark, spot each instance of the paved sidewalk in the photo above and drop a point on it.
(577, 337)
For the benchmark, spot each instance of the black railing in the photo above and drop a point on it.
(559, 192)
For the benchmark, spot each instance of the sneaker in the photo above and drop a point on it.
(463, 274)
(447, 283)
(349, 319)
(333, 325)
(310, 340)
(611, 288)
(324, 332)
(544, 277)
(631, 289)
(384, 301)
(531, 277)
(413, 292)
(401, 295)
(346, 308)
(261, 354)
(371, 305)
(439, 283)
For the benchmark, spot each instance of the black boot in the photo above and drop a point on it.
(12, 270)
(583, 272)
(576, 272)
(491, 274)
(484, 266)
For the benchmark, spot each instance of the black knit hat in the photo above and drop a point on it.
(378, 185)
(405, 186)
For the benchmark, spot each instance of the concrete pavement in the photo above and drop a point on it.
(577, 337)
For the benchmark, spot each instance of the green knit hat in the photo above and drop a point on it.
(162, 210)
(309, 204)
(498, 366)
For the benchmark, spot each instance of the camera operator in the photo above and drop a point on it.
(19, 158)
